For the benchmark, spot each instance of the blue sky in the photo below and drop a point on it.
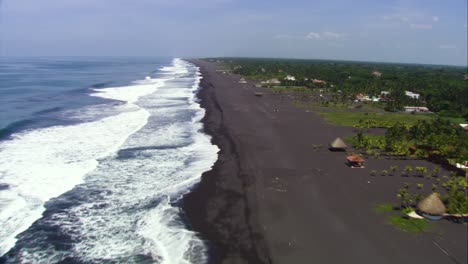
(421, 31)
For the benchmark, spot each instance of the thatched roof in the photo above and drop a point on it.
(338, 143)
(355, 158)
(432, 205)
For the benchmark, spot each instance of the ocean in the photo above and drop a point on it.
(95, 156)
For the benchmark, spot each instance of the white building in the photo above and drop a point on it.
(421, 109)
(272, 81)
(290, 78)
(377, 74)
(412, 95)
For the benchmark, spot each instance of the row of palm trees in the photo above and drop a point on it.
(420, 171)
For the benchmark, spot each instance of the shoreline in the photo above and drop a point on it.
(216, 191)
(270, 198)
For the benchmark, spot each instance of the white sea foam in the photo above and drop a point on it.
(128, 210)
(165, 160)
(42, 164)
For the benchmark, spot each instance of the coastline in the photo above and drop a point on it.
(218, 207)
(271, 199)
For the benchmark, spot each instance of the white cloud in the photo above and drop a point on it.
(313, 35)
(421, 26)
(447, 46)
(435, 18)
(327, 35)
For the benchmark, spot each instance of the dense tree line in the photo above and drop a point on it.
(438, 137)
(443, 89)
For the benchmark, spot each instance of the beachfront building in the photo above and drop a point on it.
(432, 207)
(360, 97)
(376, 73)
(271, 81)
(338, 145)
(355, 161)
(418, 109)
(317, 81)
(412, 95)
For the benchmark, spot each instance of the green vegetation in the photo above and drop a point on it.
(408, 224)
(296, 89)
(442, 88)
(456, 197)
(384, 120)
(437, 138)
(401, 222)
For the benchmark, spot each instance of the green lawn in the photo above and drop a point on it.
(352, 118)
(286, 89)
(408, 224)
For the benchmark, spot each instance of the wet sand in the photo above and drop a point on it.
(271, 198)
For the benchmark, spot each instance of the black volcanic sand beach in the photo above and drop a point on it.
(271, 198)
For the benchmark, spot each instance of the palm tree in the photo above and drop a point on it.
(418, 197)
(421, 171)
(408, 170)
(384, 172)
(393, 169)
(420, 186)
(402, 193)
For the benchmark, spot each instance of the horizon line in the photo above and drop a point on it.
(231, 57)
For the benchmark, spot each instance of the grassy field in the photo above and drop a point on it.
(286, 89)
(352, 118)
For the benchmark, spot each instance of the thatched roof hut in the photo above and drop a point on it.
(432, 205)
(338, 143)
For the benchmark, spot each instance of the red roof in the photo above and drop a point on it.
(355, 158)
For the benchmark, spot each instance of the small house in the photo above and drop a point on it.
(355, 161)
(376, 73)
(242, 80)
(272, 81)
(317, 81)
(412, 95)
(419, 109)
